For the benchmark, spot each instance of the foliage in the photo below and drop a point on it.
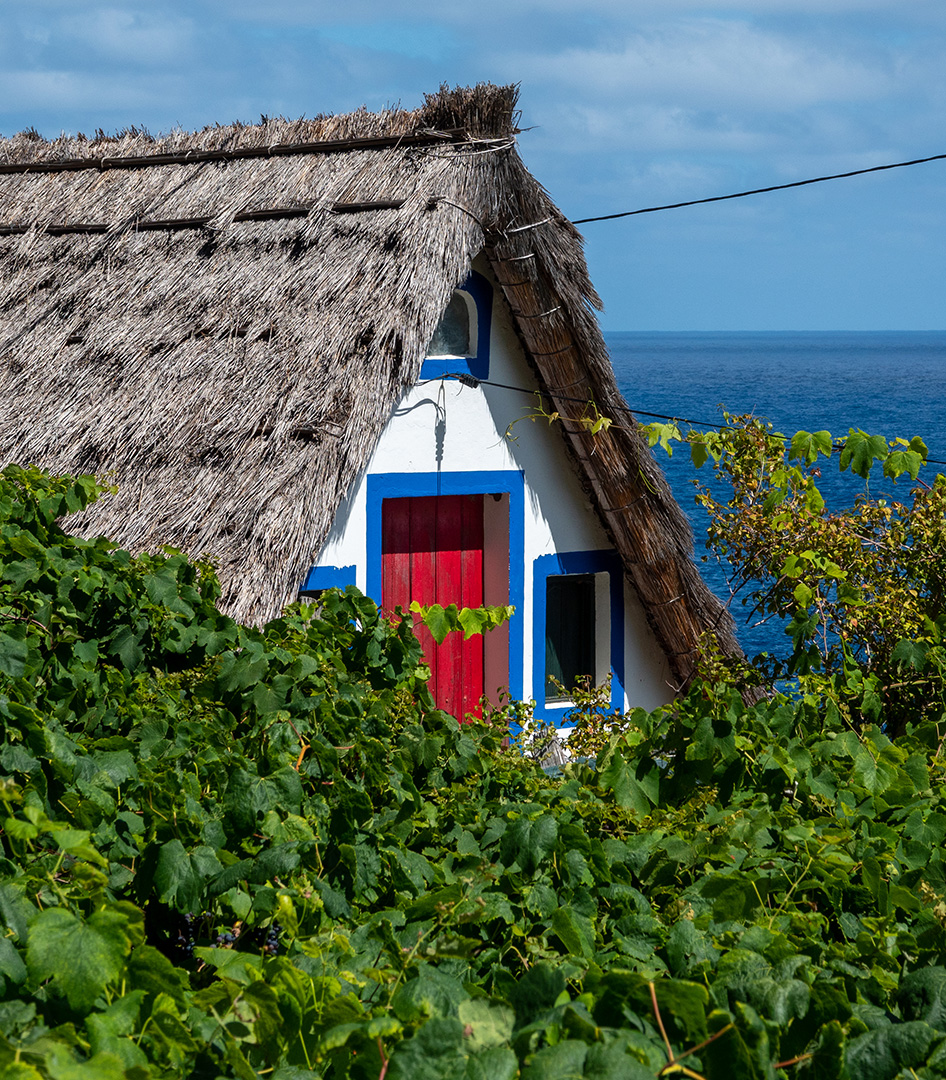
(591, 419)
(441, 621)
(738, 892)
(861, 589)
(593, 719)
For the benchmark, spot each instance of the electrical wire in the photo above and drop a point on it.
(762, 190)
(470, 381)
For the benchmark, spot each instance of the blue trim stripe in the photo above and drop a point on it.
(409, 485)
(576, 562)
(478, 366)
(328, 577)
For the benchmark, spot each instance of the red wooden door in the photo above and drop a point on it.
(432, 552)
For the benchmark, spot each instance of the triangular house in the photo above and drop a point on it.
(238, 326)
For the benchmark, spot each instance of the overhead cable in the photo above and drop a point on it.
(469, 380)
(762, 190)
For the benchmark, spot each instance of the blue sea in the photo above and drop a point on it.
(889, 383)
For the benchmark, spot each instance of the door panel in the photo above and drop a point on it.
(432, 552)
(471, 595)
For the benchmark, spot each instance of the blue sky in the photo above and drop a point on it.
(630, 103)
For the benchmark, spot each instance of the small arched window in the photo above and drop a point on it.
(456, 332)
(461, 340)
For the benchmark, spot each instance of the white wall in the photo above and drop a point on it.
(448, 427)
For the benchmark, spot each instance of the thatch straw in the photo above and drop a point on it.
(233, 378)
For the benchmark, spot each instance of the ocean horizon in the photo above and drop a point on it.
(890, 383)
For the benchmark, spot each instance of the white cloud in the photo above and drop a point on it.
(32, 93)
(649, 128)
(416, 40)
(319, 12)
(127, 36)
(712, 64)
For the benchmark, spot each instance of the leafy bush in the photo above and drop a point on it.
(860, 590)
(237, 852)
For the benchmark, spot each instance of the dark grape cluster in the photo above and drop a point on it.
(176, 935)
(271, 942)
(184, 939)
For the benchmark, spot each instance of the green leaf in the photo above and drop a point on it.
(19, 1070)
(434, 1053)
(438, 622)
(495, 1064)
(172, 1036)
(616, 1062)
(180, 878)
(910, 654)
(11, 963)
(814, 501)
(827, 1061)
(103, 1066)
(151, 971)
(489, 1023)
(689, 949)
(872, 873)
(242, 968)
(884, 1052)
(922, 996)
(248, 795)
(472, 621)
(803, 595)
(872, 772)
(662, 433)
(87, 651)
(111, 1031)
(903, 461)
(682, 1004)
(431, 993)
(126, 645)
(81, 957)
(259, 1005)
(786, 1001)
(536, 992)
(806, 446)
(729, 1055)
(529, 842)
(699, 455)
(273, 862)
(575, 931)
(634, 782)
(13, 656)
(861, 450)
(566, 1061)
(15, 911)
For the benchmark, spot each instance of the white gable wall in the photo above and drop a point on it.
(445, 437)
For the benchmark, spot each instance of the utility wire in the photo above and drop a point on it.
(470, 381)
(762, 190)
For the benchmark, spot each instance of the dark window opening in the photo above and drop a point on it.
(569, 633)
(452, 336)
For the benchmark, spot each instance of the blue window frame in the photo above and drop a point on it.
(480, 295)
(328, 577)
(382, 486)
(577, 563)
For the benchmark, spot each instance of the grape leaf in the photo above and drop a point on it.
(81, 956)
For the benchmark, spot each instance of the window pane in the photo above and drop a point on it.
(452, 336)
(569, 632)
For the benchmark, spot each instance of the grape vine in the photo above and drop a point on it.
(239, 852)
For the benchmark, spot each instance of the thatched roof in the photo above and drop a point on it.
(222, 322)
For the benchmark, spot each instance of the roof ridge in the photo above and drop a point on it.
(425, 137)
